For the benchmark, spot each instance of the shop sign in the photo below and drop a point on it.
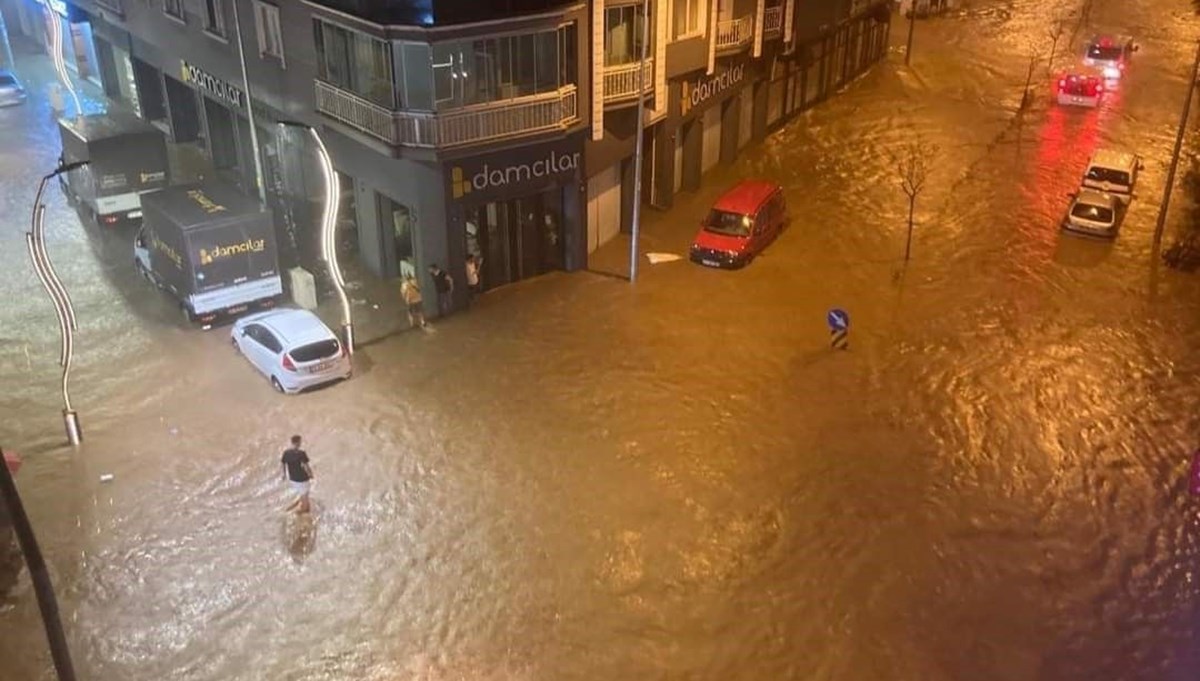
(203, 80)
(693, 94)
(511, 172)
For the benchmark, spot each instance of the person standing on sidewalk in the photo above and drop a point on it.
(298, 474)
(444, 284)
(411, 293)
(472, 276)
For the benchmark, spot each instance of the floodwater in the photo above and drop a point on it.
(579, 479)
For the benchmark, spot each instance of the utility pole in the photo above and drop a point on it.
(640, 143)
(43, 588)
(258, 171)
(912, 25)
(1166, 199)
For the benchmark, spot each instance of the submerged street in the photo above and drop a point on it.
(583, 479)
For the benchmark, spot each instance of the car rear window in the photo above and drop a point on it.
(6, 79)
(723, 222)
(1085, 87)
(1109, 53)
(316, 351)
(1087, 211)
(1109, 175)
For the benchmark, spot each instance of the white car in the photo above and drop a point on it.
(1110, 54)
(1114, 172)
(1082, 87)
(1093, 213)
(292, 348)
(11, 90)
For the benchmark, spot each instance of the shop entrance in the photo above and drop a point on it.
(518, 238)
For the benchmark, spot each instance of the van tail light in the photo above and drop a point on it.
(110, 219)
(288, 363)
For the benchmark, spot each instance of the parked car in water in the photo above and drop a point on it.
(1110, 54)
(1094, 213)
(1114, 172)
(293, 348)
(1082, 87)
(11, 90)
(743, 222)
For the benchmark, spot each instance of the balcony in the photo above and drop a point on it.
(475, 124)
(621, 81)
(773, 22)
(735, 34)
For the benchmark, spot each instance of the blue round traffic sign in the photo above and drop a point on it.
(838, 319)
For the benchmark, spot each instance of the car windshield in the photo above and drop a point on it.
(1105, 52)
(316, 351)
(6, 79)
(1087, 211)
(1109, 175)
(722, 222)
(1076, 85)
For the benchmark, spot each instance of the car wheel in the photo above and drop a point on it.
(276, 384)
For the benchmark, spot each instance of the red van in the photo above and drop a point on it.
(740, 225)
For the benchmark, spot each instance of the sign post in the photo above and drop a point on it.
(839, 329)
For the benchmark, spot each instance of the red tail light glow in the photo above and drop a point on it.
(288, 363)
(110, 219)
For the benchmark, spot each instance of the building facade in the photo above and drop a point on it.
(504, 129)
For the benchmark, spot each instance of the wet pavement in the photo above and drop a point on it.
(579, 479)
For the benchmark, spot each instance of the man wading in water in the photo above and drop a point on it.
(298, 474)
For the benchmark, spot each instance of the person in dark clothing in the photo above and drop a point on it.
(298, 474)
(444, 284)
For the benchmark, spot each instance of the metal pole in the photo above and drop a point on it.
(258, 171)
(43, 588)
(1166, 200)
(912, 24)
(639, 144)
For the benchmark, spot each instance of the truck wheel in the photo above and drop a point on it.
(276, 384)
(187, 316)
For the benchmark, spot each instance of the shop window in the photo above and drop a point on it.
(174, 8)
(400, 219)
(214, 17)
(355, 62)
(623, 34)
(687, 18)
(493, 69)
(270, 38)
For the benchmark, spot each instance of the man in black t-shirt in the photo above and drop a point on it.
(298, 474)
(443, 283)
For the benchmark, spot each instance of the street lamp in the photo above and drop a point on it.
(35, 241)
(56, 53)
(333, 197)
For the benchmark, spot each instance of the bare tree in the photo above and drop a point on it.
(912, 165)
(1055, 34)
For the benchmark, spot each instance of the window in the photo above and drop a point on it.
(491, 69)
(623, 33)
(270, 38)
(214, 17)
(174, 8)
(688, 18)
(355, 62)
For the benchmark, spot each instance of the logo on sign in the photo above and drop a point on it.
(198, 77)
(153, 177)
(206, 204)
(695, 94)
(491, 178)
(207, 256)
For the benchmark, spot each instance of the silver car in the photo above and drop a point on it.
(1094, 213)
(11, 90)
(292, 348)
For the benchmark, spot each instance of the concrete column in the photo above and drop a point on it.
(693, 150)
(370, 228)
(663, 194)
(440, 235)
(762, 89)
(574, 224)
(731, 113)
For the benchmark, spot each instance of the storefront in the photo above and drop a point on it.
(518, 211)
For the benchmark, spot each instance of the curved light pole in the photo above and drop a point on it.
(35, 241)
(333, 198)
(56, 50)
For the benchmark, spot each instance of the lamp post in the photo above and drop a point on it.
(636, 228)
(258, 170)
(35, 241)
(56, 50)
(333, 197)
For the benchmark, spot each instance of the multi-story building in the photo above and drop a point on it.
(502, 128)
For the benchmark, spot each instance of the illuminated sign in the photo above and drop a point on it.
(693, 95)
(203, 80)
(492, 178)
(207, 256)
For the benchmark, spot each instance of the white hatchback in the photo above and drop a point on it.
(1093, 213)
(293, 348)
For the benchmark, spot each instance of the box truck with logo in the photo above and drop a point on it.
(212, 248)
(126, 158)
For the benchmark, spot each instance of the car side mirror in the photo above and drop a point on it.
(244, 332)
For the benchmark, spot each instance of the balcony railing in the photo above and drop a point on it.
(467, 125)
(773, 22)
(621, 81)
(735, 33)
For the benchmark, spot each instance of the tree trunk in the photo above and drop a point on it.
(912, 203)
(912, 24)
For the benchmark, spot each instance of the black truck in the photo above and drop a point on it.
(212, 248)
(127, 157)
